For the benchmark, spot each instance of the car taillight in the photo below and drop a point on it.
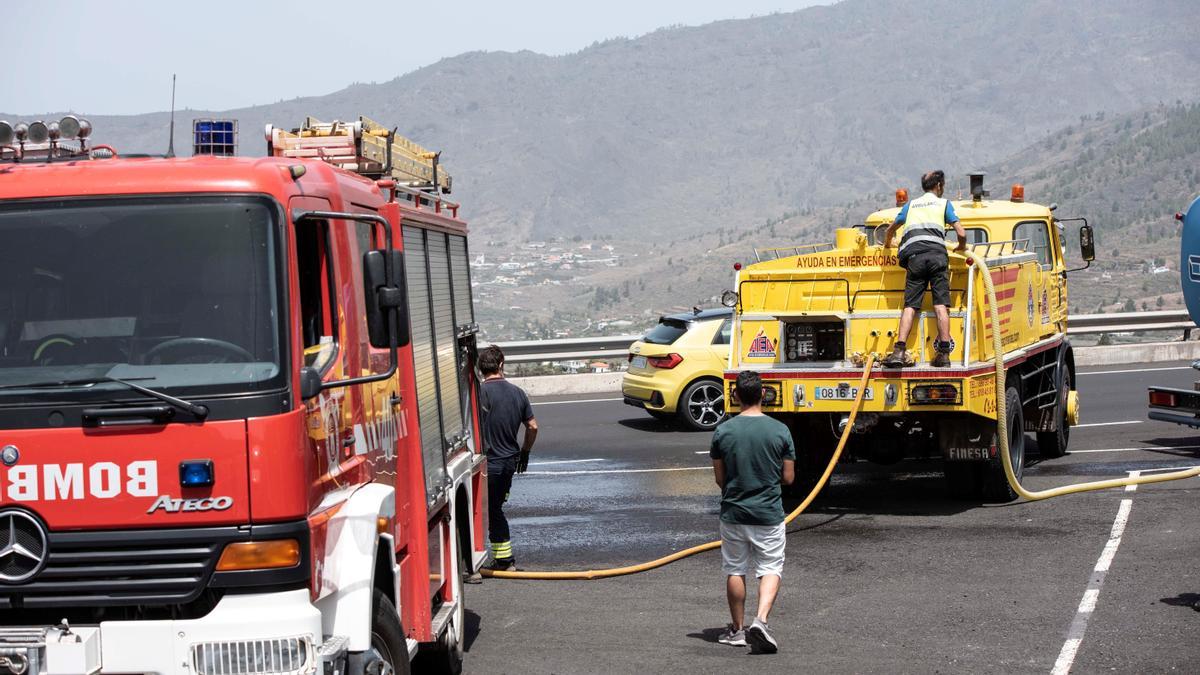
(1164, 399)
(665, 362)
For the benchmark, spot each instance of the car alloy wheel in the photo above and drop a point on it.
(704, 405)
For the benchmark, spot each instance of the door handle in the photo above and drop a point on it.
(396, 400)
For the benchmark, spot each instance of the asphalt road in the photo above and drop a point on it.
(884, 573)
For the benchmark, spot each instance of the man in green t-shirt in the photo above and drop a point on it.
(753, 456)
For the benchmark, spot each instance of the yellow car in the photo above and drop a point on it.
(675, 370)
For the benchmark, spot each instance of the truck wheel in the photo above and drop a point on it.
(387, 639)
(702, 405)
(962, 479)
(1054, 443)
(995, 486)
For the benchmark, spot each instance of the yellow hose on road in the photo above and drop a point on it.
(1001, 433)
(1002, 417)
(679, 555)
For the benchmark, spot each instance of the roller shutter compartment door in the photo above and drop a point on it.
(444, 335)
(424, 372)
(460, 271)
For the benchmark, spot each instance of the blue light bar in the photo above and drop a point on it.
(196, 473)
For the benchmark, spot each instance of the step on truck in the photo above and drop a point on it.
(239, 429)
(806, 316)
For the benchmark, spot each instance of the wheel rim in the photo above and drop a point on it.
(706, 405)
(385, 655)
(1064, 428)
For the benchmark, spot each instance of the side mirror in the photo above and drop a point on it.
(1087, 243)
(385, 298)
(310, 382)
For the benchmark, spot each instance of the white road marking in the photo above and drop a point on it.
(582, 400)
(1169, 468)
(1134, 487)
(581, 472)
(1144, 447)
(1107, 424)
(1066, 657)
(565, 461)
(1135, 370)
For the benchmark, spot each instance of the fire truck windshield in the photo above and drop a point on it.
(181, 291)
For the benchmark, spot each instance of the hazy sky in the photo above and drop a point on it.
(117, 56)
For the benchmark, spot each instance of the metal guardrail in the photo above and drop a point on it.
(617, 346)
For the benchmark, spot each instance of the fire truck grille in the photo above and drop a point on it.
(121, 568)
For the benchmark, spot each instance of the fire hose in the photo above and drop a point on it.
(680, 555)
(1002, 434)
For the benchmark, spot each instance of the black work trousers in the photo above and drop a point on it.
(500, 476)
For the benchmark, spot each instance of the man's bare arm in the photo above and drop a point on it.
(962, 237)
(719, 472)
(891, 234)
(789, 471)
(530, 435)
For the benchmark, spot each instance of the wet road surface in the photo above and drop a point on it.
(885, 572)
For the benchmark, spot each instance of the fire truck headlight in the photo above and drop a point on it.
(39, 132)
(72, 127)
(275, 655)
(196, 473)
(259, 555)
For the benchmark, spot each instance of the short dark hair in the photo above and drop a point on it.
(749, 388)
(491, 360)
(933, 179)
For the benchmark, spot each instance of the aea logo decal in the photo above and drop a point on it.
(761, 347)
(1194, 268)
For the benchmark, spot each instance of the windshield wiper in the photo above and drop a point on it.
(196, 409)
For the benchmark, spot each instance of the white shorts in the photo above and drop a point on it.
(761, 545)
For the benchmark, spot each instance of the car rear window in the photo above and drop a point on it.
(666, 332)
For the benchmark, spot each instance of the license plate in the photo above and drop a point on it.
(842, 392)
(968, 453)
(638, 362)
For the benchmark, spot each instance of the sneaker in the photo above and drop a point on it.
(758, 635)
(737, 638)
(941, 360)
(501, 565)
(473, 578)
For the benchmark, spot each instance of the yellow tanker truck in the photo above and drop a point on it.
(805, 317)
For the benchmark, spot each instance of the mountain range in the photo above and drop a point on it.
(692, 128)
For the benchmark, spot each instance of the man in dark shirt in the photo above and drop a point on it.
(753, 456)
(505, 410)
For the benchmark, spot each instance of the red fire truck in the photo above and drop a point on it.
(238, 415)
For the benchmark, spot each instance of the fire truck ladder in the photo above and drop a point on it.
(365, 147)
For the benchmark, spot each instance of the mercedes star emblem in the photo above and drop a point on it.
(10, 455)
(23, 547)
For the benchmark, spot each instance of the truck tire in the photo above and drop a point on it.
(387, 637)
(702, 405)
(1053, 444)
(995, 483)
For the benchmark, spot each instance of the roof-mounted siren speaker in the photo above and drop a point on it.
(6, 132)
(977, 191)
(214, 137)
